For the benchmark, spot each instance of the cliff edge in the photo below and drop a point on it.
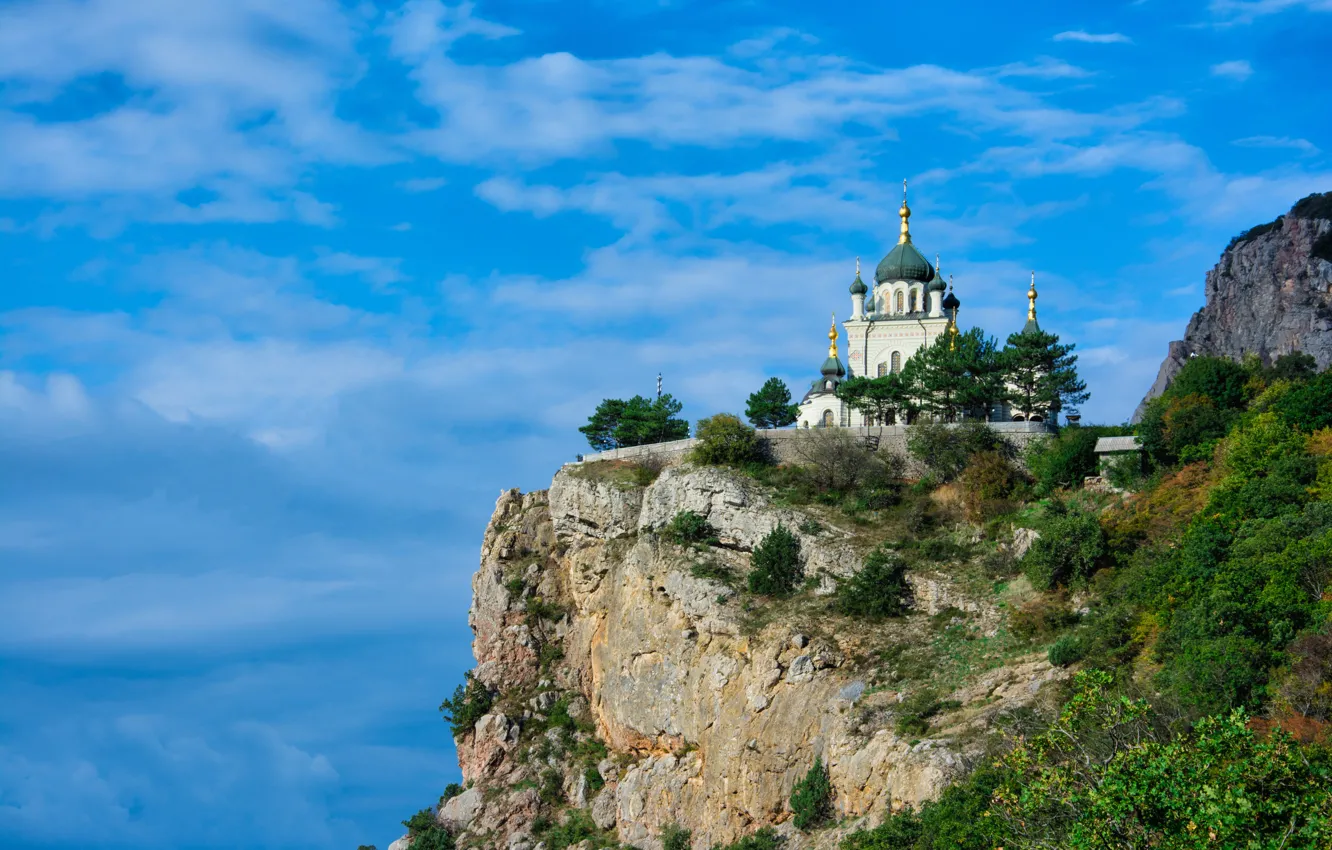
(635, 686)
(1270, 294)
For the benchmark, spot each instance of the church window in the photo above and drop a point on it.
(897, 362)
(914, 296)
(883, 369)
(827, 419)
(901, 302)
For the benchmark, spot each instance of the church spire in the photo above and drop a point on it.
(1031, 326)
(832, 337)
(905, 213)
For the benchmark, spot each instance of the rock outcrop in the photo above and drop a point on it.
(635, 683)
(1270, 294)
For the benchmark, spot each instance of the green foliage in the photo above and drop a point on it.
(958, 820)
(538, 609)
(1107, 774)
(914, 712)
(637, 422)
(1295, 366)
(956, 375)
(1066, 552)
(469, 703)
(945, 450)
(775, 568)
(1041, 374)
(811, 798)
(1222, 380)
(880, 399)
(577, 826)
(675, 837)
(1175, 428)
(879, 589)
(1309, 406)
(426, 833)
(723, 440)
(687, 528)
(1067, 650)
(765, 839)
(988, 483)
(771, 406)
(593, 779)
(453, 789)
(1063, 461)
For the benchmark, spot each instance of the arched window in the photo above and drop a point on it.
(901, 302)
(883, 369)
(827, 419)
(915, 296)
(897, 362)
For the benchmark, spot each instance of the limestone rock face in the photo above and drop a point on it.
(1270, 294)
(707, 715)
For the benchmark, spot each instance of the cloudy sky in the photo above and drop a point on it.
(293, 288)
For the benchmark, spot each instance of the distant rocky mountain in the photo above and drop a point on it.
(1270, 294)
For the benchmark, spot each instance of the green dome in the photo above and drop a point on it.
(904, 262)
(937, 285)
(833, 366)
(951, 302)
(858, 286)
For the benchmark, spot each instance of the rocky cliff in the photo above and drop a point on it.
(1270, 294)
(635, 686)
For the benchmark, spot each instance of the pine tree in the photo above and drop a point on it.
(771, 406)
(956, 375)
(636, 422)
(877, 399)
(1041, 374)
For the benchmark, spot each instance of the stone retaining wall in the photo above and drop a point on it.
(892, 439)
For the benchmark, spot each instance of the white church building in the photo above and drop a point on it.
(908, 308)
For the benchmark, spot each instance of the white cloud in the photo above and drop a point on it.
(233, 98)
(1247, 11)
(1236, 69)
(1304, 146)
(1093, 38)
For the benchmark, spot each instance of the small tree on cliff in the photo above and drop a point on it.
(775, 564)
(771, 406)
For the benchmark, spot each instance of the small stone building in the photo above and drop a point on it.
(1111, 451)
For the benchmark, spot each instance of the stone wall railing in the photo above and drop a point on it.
(892, 439)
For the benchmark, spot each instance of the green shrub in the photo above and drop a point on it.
(1308, 407)
(988, 482)
(1063, 462)
(945, 450)
(576, 826)
(775, 568)
(879, 589)
(675, 837)
(1041, 618)
(593, 779)
(1067, 650)
(724, 440)
(469, 703)
(914, 712)
(811, 798)
(540, 609)
(765, 839)
(1222, 380)
(451, 790)
(1066, 552)
(959, 820)
(687, 528)
(426, 833)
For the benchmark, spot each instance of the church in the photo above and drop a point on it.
(908, 308)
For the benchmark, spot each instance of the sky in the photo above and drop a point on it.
(292, 289)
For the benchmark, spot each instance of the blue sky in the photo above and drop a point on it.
(291, 291)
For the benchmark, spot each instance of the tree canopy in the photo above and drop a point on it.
(1041, 374)
(637, 422)
(956, 375)
(878, 399)
(770, 406)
